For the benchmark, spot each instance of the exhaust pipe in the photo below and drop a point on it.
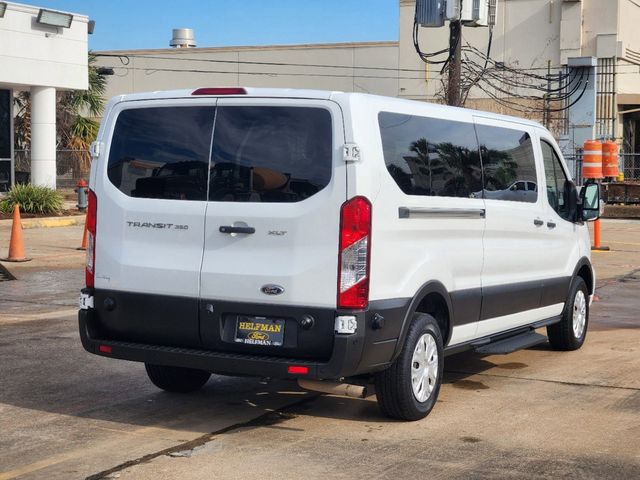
(343, 389)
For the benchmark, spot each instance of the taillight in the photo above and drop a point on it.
(92, 212)
(220, 91)
(355, 252)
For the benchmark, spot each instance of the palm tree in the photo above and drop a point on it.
(75, 124)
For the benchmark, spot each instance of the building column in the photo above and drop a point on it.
(43, 136)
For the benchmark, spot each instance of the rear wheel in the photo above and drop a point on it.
(409, 388)
(571, 331)
(176, 379)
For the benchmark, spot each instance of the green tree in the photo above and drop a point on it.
(76, 126)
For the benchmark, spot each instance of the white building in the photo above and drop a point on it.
(41, 51)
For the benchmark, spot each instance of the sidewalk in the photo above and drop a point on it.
(623, 237)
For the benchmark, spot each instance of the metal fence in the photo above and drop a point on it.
(629, 165)
(71, 165)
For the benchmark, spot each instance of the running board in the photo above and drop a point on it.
(511, 344)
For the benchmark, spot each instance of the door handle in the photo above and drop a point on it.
(231, 229)
(538, 223)
(551, 225)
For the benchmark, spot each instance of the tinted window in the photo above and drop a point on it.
(162, 152)
(429, 156)
(270, 154)
(5, 123)
(509, 164)
(5, 175)
(558, 185)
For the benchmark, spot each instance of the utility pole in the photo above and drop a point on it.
(455, 63)
(546, 114)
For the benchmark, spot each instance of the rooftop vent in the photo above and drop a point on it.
(183, 38)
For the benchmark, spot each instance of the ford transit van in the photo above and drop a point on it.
(339, 239)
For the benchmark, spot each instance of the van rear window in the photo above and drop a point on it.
(259, 154)
(270, 154)
(162, 152)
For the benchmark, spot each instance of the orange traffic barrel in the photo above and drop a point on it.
(610, 158)
(592, 159)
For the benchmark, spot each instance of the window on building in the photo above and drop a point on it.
(509, 164)
(162, 152)
(431, 156)
(558, 185)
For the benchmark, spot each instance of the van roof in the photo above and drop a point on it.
(320, 95)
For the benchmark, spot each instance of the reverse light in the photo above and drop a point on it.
(220, 91)
(346, 324)
(91, 221)
(354, 254)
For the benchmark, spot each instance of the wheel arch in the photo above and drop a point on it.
(584, 269)
(432, 298)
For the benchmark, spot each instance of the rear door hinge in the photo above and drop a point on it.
(96, 149)
(351, 153)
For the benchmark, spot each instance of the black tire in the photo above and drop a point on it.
(394, 387)
(562, 335)
(176, 379)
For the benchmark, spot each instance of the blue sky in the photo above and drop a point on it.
(137, 24)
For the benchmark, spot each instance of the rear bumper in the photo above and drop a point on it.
(359, 353)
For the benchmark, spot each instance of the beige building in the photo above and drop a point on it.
(532, 35)
(358, 67)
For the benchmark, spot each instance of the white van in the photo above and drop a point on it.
(340, 239)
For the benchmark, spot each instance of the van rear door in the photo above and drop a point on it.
(277, 182)
(151, 196)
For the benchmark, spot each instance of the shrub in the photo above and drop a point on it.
(32, 199)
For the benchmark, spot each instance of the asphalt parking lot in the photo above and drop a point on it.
(532, 414)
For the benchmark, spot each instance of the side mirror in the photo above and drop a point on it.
(589, 207)
(571, 200)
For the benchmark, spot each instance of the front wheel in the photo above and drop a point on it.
(571, 331)
(176, 379)
(409, 388)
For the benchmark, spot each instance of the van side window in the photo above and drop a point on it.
(557, 181)
(270, 154)
(431, 156)
(162, 152)
(509, 164)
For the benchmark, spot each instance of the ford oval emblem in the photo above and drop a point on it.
(272, 289)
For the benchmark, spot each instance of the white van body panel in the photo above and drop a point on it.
(407, 253)
(163, 261)
(295, 245)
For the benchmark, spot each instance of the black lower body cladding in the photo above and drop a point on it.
(201, 334)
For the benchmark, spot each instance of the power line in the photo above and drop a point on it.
(226, 72)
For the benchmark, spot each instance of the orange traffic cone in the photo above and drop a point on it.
(16, 244)
(84, 237)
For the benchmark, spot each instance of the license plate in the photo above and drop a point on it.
(260, 331)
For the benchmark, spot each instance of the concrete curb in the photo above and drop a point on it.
(622, 211)
(48, 222)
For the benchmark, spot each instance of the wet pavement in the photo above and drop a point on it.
(533, 414)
